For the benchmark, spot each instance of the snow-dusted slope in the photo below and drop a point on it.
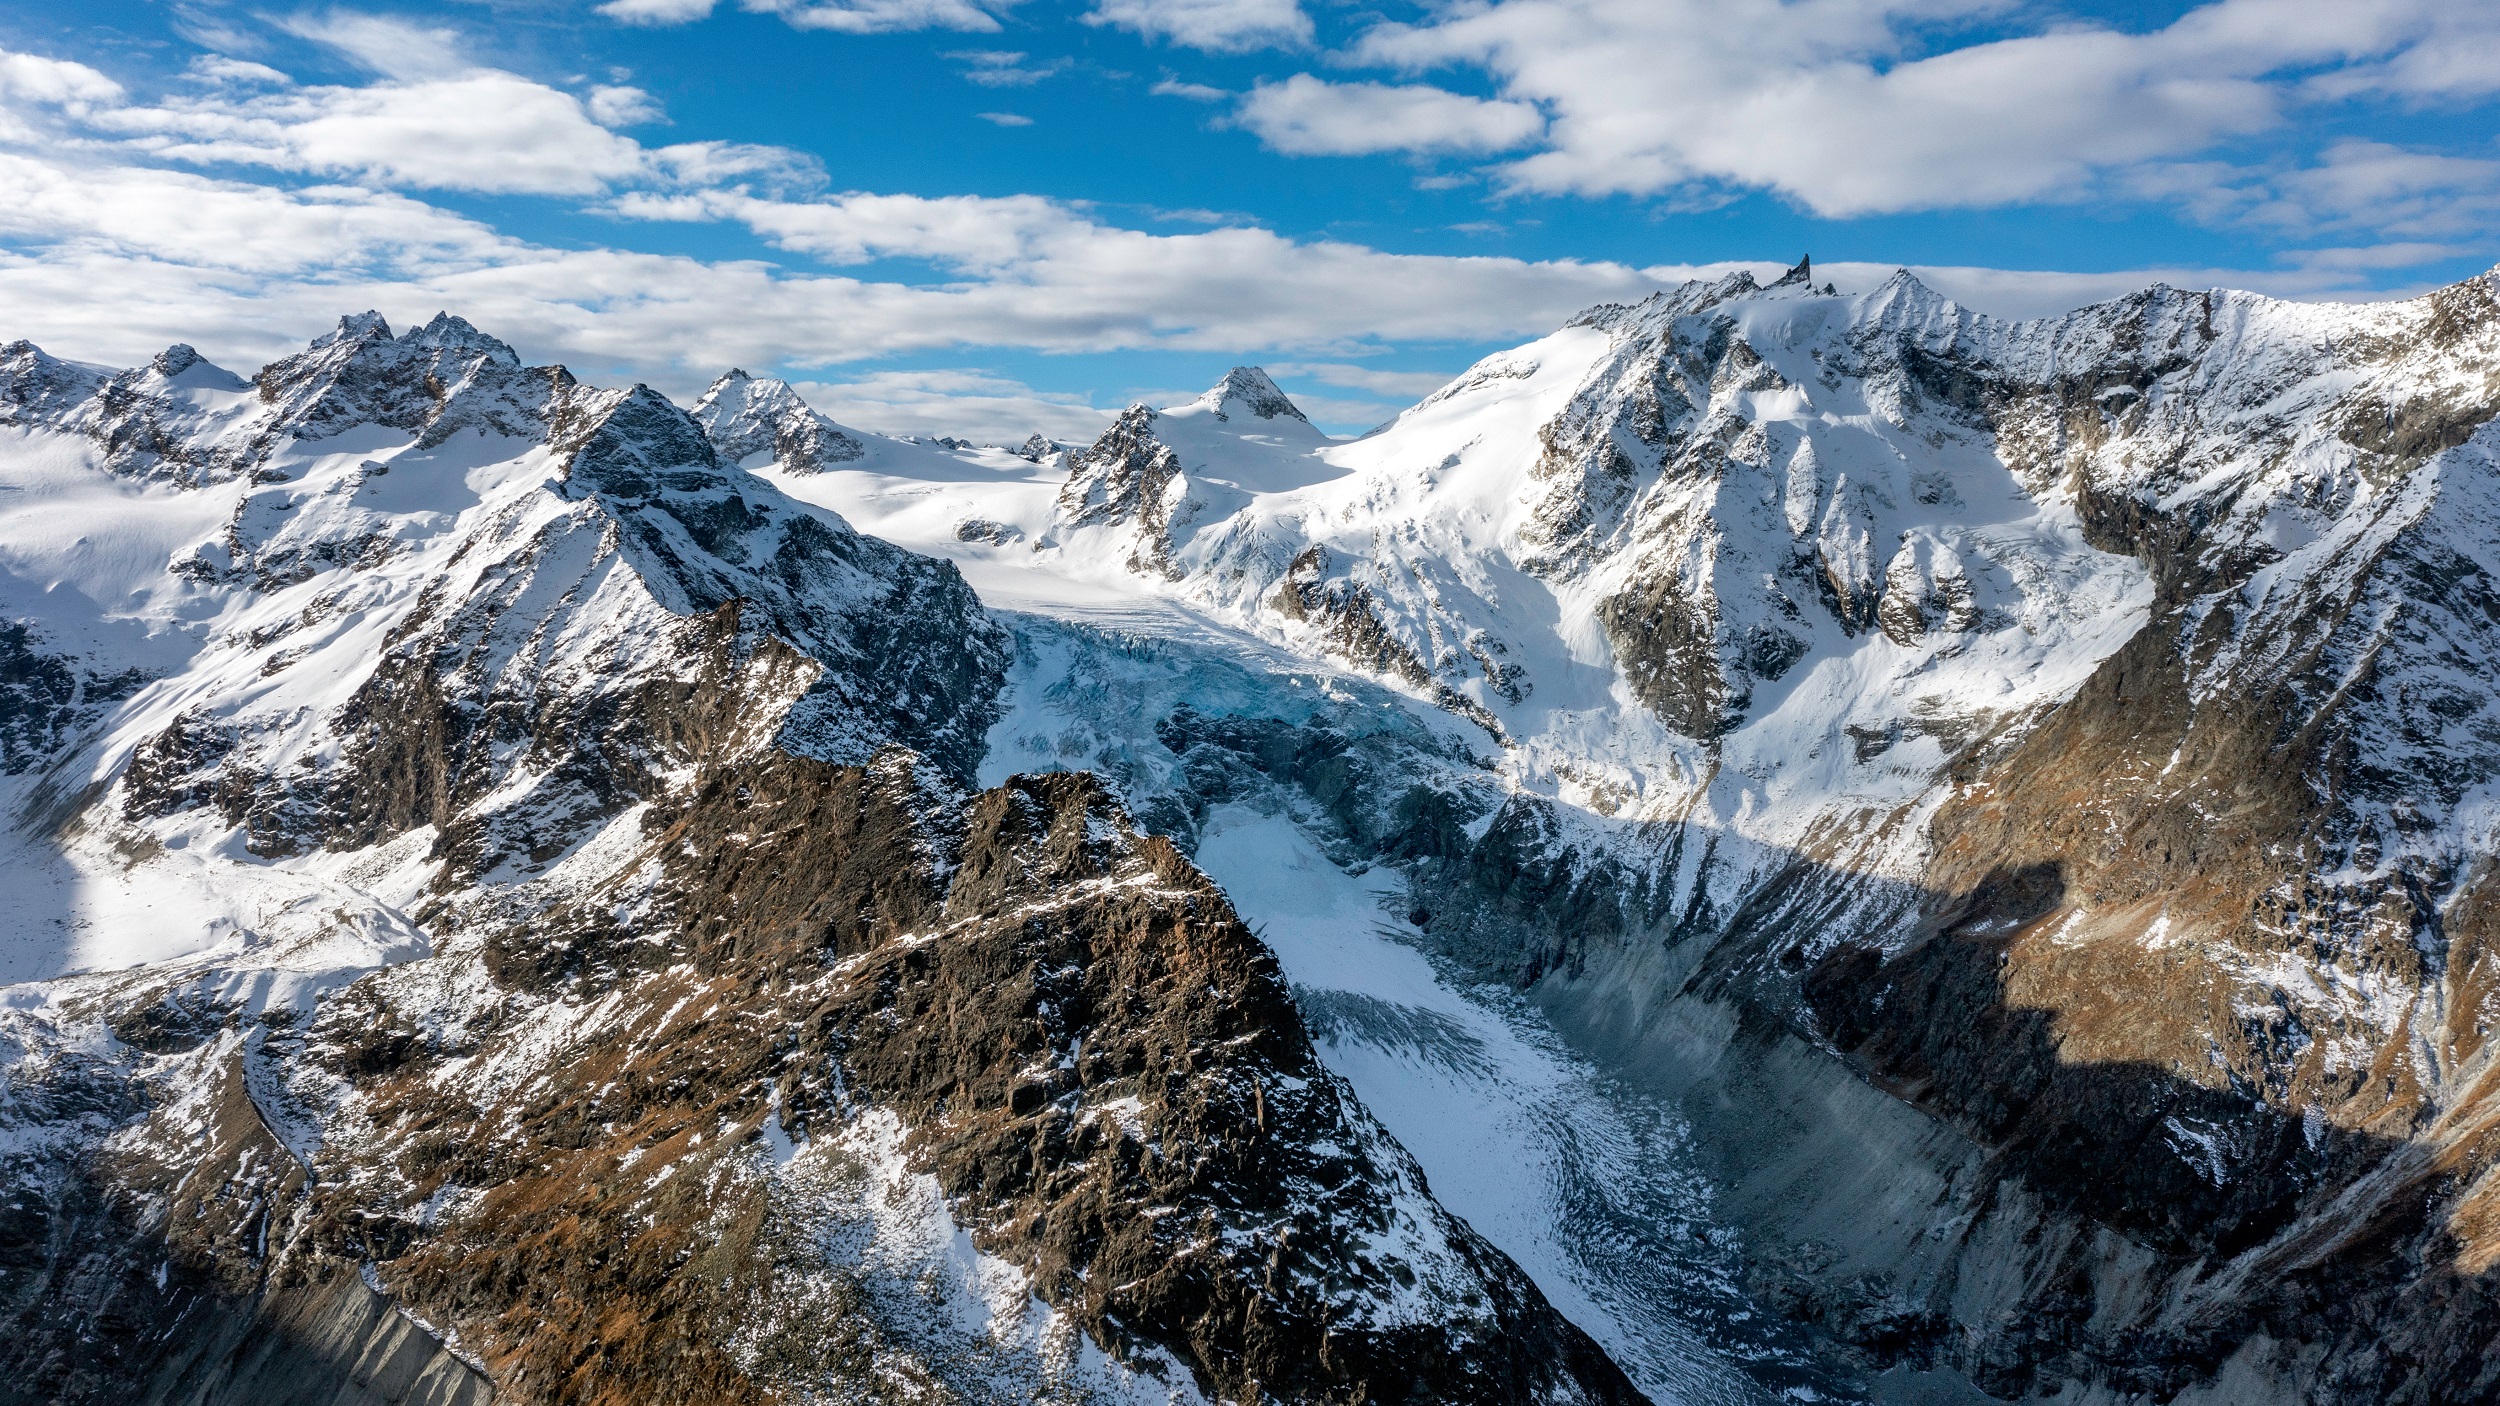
(1683, 559)
(1885, 671)
(398, 744)
(2026, 789)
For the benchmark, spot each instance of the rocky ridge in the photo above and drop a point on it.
(2060, 745)
(535, 796)
(2019, 788)
(745, 416)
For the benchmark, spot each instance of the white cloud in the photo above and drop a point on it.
(217, 68)
(840, 16)
(1307, 117)
(382, 44)
(109, 246)
(885, 16)
(619, 106)
(1404, 385)
(971, 405)
(2374, 257)
(1842, 105)
(1196, 92)
(1004, 68)
(740, 163)
(1222, 26)
(1005, 119)
(58, 83)
(229, 229)
(108, 253)
(480, 131)
(658, 11)
(966, 232)
(2354, 185)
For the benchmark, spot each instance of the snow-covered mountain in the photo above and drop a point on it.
(2080, 728)
(405, 741)
(1769, 844)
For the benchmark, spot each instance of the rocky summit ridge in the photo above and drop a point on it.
(1770, 842)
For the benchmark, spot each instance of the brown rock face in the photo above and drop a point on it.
(1094, 1059)
(2190, 957)
(1126, 477)
(646, 1144)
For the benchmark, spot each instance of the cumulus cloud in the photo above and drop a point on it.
(56, 83)
(840, 16)
(616, 105)
(2402, 194)
(1305, 116)
(658, 12)
(1849, 108)
(381, 43)
(1404, 385)
(218, 68)
(478, 131)
(975, 405)
(127, 224)
(1221, 26)
(126, 218)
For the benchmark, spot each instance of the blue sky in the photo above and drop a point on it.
(981, 215)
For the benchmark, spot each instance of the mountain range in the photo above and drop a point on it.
(1768, 845)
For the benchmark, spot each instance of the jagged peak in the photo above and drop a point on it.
(25, 353)
(745, 414)
(447, 332)
(1691, 296)
(1131, 430)
(1802, 273)
(738, 391)
(181, 364)
(1904, 294)
(628, 438)
(1250, 389)
(1725, 288)
(354, 327)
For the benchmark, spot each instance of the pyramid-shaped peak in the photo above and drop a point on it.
(1802, 273)
(745, 415)
(450, 333)
(737, 392)
(354, 327)
(182, 365)
(1250, 390)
